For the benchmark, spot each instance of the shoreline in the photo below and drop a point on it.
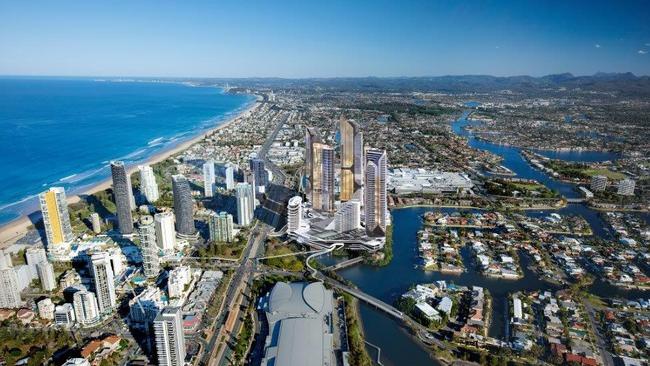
(14, 230)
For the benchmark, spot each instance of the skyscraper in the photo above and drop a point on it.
(221, 227)
(34, 256)
(84, 303)
(294, 214)
(598, 183)
(46, 275)
(311, 137)
(348, 217)
(148, 185)
(261, 176)
(123, 195)
(54, 208)
(183, 205)
(230, 177)
(351, 158)
(322, 177)
(150, 261)
(245, 204)
(96, 223)
(375, 192)
(9, 289)
(165, 232)
(170, 340)
(103, 281)
(208, 178)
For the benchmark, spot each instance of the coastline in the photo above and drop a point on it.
(17, 228)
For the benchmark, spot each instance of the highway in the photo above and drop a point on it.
(278, 175)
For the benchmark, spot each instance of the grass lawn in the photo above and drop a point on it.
(606, 172)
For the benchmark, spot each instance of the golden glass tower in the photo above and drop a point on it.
(54, 208)
(351, 158)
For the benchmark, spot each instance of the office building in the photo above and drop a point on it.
(300, 315)
(144, 308)
(598, 183)
(123, 194)
(46, 276)
(230, 177)
(294, 214)
(209, 178)
(351, 159)
(64, 315)
(176, 281)
(376, 209)
(56, 220)
(221, 227)
(170, 341)
(165, 232)
(626, 187)
(103, 282)
(148, 185)
(96, 223)
(183, 205)
(245, 204)
(25, 276)
(348, 216)
(322, 177)
(260, 174)
(9, 291)
(150, 260)
(85, 307)
(45, 309)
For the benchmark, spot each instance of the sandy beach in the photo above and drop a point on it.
(16, 229)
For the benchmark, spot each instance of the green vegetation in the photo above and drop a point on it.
(227, 250)
(358, 353)
(606, 172)
(387, 251)
(243, 339)
(290, 262)
(17, 342)
(503, 187)
(398, 107)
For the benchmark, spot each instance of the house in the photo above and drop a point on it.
(445, 305)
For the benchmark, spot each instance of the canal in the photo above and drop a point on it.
(389, 282)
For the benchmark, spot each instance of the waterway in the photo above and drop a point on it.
(389, 282)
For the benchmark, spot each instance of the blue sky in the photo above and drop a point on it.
(322, 39)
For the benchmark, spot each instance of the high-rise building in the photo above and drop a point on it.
(260, 173)
(375, 192)
(144, 308)
(209, 178)
(230, 177)
(312, 136)
(170, 340)
(351, 159)
(9, 289)
(245, 204)
(54, 208)
(165, 232)
(46, 276)
(123, 194)
(148, 185)
(96, 223)
(626, 187)
(45, 309)
(598, 183)
(348, 216)
(322, 177)
(294, 214)
(103, 282)
(183, 205)
(34, 256)
(150, 260)
(64, 315)
(85, 307)
(221, 227)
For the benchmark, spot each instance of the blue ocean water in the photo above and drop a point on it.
(64, 132)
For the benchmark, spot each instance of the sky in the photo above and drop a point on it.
(296, 39)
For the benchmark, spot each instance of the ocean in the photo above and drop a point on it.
(64, 132)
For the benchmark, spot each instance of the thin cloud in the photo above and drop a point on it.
(647, 44)
(597, 45)
(642, 52)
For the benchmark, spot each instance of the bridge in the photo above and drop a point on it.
(344, 264)
(575, 200)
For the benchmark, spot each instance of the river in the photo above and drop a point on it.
(389, 282)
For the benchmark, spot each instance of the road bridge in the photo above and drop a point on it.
(344, 264)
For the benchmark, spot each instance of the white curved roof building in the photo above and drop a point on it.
(300, 325)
